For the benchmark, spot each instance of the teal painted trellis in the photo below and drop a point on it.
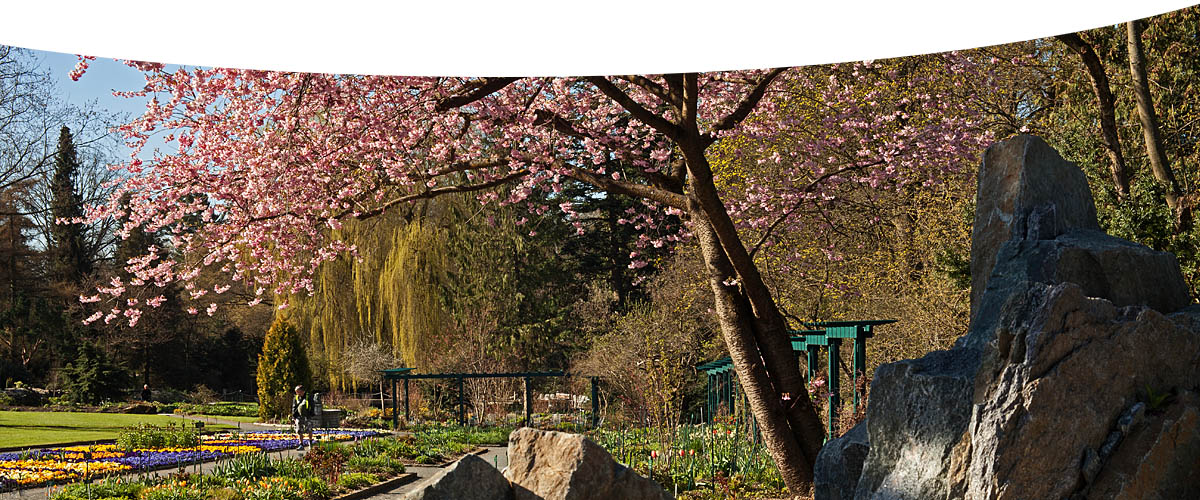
(403, 375)
(723, 388)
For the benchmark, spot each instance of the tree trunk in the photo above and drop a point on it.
(737, 326)
(1150, 132)
(755, 331)
(1107, 106)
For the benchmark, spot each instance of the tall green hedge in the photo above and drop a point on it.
(282, 365)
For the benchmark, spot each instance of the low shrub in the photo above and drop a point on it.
(356, 480)
(378, 464)
(110, 488)
(149, 436)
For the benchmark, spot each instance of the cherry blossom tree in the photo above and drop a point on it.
(269, 162)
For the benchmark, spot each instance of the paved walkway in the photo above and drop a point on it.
(497, 456)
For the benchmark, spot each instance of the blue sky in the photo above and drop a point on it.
(102, 78)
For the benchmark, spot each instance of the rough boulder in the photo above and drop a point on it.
(1076, 378)
(560, 466)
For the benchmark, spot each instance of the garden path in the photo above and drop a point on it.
(496, 455)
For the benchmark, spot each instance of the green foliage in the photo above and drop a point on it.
(226, 409)
(245, 466)
(109, 488)
(93, 376)
(719, 458)
(173, 492)
(356, 480)
(282, 365)
(149, 436)
(1156, 401)
(375, 464)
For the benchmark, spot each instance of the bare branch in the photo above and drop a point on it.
(431, 193)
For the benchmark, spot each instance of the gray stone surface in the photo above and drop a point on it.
(917, 413)
(1025, 189)
(1050, 401)
(839, 465)
(471, 478)
(1159, 460)
(1040, 398)
(549, 465)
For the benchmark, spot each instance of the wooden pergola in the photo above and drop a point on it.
(400, 376)
(723, 388)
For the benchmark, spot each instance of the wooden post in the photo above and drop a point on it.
(528, 403)
(407, 416)
(462, 409)
(810, 353)
(834, 387)
(395, 413)
(859, 365)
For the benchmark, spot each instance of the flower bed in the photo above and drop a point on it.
(58, 465)
(327, 470)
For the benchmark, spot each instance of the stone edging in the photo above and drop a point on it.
(379, 487)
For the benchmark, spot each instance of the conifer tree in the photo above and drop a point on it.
(282, 365)
(68, 259)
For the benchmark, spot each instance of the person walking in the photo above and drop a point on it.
(302, 416)
(146, 392)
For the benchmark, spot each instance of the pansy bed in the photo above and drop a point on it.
(60, 465)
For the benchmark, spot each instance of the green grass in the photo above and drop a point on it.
(44, 428)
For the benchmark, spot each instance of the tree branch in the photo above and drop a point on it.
(627, 188)
(431, 193)
(475, 91)
(659, 123)
(651, 86)
(747, 105)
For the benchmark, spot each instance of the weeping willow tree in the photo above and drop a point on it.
(393, 293)
(451, 285)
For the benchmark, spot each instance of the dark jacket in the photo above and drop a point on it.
(301, 407)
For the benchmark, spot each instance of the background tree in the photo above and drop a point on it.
(282, 365)
(67, 254)
(94, 377)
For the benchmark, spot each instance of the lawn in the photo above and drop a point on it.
(42, 428)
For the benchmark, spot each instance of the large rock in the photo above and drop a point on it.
(1024, 187)
(1045, 395)
(25, 396)
(1054, 386)
(471, 478)
(840, 464)
(1159, 460)
(916, 415)
(548, 465)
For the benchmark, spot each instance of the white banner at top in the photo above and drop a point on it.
(542, 37)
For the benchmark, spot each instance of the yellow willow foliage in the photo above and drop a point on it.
(391, 294)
